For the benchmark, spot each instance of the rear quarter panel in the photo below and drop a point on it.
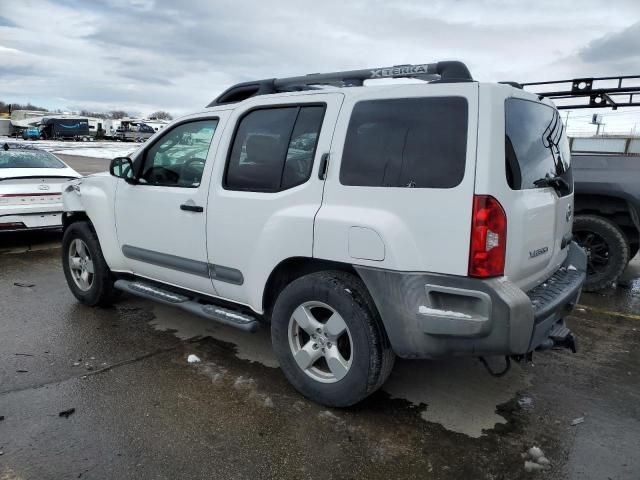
(407, 229)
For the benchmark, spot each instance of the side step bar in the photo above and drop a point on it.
(218, 314)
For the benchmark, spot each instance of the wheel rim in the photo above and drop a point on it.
(81, 264)
(320, 342)
(597, 250)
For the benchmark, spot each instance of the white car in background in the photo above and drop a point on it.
(31, 183)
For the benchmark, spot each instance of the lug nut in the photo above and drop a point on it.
(319, 330)
(328, 344)
(315, 346)
(313, 335)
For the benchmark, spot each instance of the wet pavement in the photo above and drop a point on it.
(142, 411)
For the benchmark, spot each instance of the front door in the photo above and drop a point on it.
(161, 219)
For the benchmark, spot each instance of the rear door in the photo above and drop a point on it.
(266, 190)
(399, 187)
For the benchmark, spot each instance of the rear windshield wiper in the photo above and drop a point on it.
(558, 183)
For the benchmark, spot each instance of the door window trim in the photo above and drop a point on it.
(244, 114)
(143, 154)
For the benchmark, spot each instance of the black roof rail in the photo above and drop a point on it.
(447, 71)
(606, 96)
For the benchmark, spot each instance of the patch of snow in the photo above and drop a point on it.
(347, 290)
(97, 149)
(193, 358)
(447, 313)
(571, 267)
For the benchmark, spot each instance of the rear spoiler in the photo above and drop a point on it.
(38, 176)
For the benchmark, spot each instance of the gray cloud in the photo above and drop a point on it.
(614, 47)
(5, 22)
(152, 54)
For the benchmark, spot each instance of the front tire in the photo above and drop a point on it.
(85, 269)
(329, 339)
(607, 250)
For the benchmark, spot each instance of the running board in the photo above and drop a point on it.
(212, 312)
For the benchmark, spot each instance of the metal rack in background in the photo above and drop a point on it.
(603, 97)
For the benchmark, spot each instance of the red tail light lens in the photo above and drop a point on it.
(488, 238)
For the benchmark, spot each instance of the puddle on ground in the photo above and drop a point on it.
(255, 347)
(458, 393)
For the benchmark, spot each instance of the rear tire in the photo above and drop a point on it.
(81, 254)
(607, 250)
(346, 366)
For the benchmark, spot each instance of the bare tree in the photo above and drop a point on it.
(118, 114)
(161, 115)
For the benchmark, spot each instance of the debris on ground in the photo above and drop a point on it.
(535, 460)
(535, 452)
(23, 284)
(193, 358)
(577, 421)
(22, 371)
(67, 413)
(1, 418)
(532, 466)
(76, 364)
(24, 354)
(525, 403)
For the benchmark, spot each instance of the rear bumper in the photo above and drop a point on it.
(43, 219)
(433, 315)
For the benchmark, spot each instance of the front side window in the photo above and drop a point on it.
(536, 144)
(178, 158)
(406, 142)
(273, 148)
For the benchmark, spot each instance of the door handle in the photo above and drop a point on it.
(191, 208)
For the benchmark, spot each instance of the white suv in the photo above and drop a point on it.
(362, 222)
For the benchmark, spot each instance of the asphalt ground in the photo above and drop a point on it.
(142, 411)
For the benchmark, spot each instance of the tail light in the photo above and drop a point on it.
(488, 238)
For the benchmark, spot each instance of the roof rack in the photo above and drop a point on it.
(448, 71)
(614, 97)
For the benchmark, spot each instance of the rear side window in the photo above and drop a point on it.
(535, 144)
(273, 148)
(407, 142)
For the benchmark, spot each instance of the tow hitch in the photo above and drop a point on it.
(559, 337)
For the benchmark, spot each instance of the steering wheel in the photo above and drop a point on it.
(161, 175)
(190, 173)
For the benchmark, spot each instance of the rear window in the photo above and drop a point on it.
(535, 144)
(406, 142)
(28, 159)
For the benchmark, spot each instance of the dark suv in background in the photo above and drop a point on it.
(607, 214)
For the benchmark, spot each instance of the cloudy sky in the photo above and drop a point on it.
(143, 55)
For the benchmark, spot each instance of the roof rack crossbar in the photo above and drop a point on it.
(442, 71)
(613, 97)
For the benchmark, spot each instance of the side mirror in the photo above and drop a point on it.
(122, 167)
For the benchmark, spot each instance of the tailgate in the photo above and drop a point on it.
(540, 210)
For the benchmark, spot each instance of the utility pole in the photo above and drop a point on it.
(566, 120)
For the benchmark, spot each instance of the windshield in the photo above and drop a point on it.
(28, 159)
(536, 144)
